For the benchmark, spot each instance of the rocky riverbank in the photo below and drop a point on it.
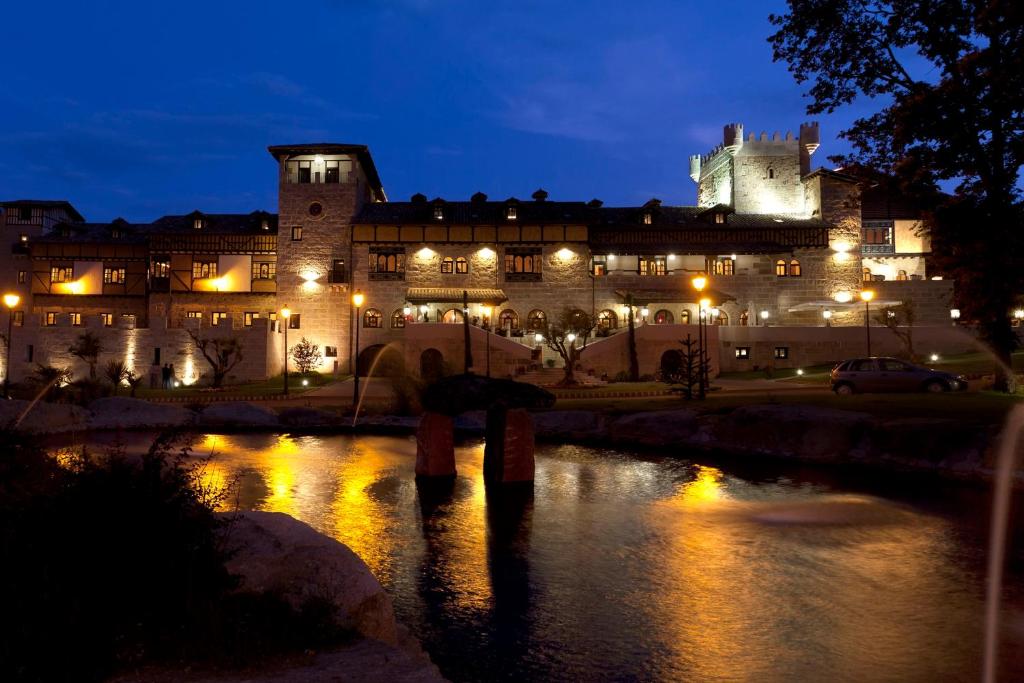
(805, 433)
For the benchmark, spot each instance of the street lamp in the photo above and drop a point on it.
(866, 296)
(485, 311)
(10, 300)
(954, 314)
(357, 301)
(827, 315)
(286, 313)
(699, 283)
(764, 317)
(644, 312)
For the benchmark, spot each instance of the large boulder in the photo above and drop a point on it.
(120, 412)
(659, 428)
(271, 551)
(569, 424)
(42, 417)
(237, 414)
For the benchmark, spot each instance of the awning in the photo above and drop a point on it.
(686, 295)
(833, 305)
(453, 295)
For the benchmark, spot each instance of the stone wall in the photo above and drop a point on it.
(506, 355)
(610, 356)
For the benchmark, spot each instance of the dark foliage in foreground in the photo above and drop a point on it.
(112, 562)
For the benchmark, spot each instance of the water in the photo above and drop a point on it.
(627, 567)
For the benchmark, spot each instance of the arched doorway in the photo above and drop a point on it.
(671, 363)
(607, 320)
(663, 317)
(389, 363)
(431, 365)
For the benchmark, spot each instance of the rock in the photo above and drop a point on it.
(271, 551)
(120, 412)
(458, 394)
(570, 424)
(309, 418)
(43, 418)
(807, 432)
(659, 428)
(237, 414)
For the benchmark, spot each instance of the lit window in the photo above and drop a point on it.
(647, 219)
(438, 213)
(510, 213)
(297, 233)
(19, 318)
(902, 275)
(113, 276)
(108, 319)
(23, 238)
(461, 266)
(744, 319)
(218, 316)
(652, 265)
(194, 314)
(523, 264)
(295, 321)
(398, 319)
(264, 270)
(373, 318)
(161, 267)
(76, 319)
(663, 317)
(794, 268)
(607, 320)
(866, 275)
(537, 320)
(684, 318)
(719, 217)
(447, 265)
(204, 269)
(51, 318)
(508, 320)
(387, 264)
(743, 352)
(780, 268)
(22, 276)
(599, 266)
(198, 223)
(781, 352)
(62, 273)
(723, 266)
(248, 317)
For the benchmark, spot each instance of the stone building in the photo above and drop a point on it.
(783, 246)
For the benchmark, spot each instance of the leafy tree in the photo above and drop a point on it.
(222, 353)
(948, 77)
(116, 372)
(561, 335)
(634, 361)
(134, 382)
(88, 347)
(306, 356)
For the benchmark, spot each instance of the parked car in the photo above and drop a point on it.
(863, 375)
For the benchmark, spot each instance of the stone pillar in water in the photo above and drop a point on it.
(508, 452)
(435, 448)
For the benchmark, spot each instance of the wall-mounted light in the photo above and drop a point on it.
(765, 315)
(310, 275)
(954, 313)
(538, 337)
(644, 312)
(486, 253)
(934, 357)
(826, 314)
(565, 253)
(611, 257)
(425, 253)
(843, 297)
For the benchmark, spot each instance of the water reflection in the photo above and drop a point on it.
(614, 566)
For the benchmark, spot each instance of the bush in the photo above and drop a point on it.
(621, 376)
(111, 562)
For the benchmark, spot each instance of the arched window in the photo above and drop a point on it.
(537, 320)
(780, 268)
(902, 275)
(722, 318)
(452, 315)
(771, 173)
(607, 320)
(663, 317)
(372, 318)
(508, 320)
(447, 265)
(744, 318)
(398, 319)
(684, 317)
(867, 275)
(461, 265)
(794, 268)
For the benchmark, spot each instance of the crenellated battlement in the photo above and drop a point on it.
(807, 137)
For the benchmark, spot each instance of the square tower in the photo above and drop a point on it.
(321, 187)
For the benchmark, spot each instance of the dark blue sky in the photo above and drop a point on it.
(139, 109)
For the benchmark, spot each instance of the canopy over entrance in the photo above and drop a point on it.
(453, 295)
(674, 295)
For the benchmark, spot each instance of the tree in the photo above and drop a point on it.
(634, 361)
(900, 321)
(116, 372)
(949, 77)
(88, 347)
(561, 336)
(685, 368)
(222, 353)
(306, 356)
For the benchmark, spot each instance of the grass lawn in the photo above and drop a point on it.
(269, 387)
(982, 408)
(614, 388)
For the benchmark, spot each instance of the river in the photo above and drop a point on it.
(622, 566)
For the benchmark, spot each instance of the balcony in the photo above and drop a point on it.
(877, 249)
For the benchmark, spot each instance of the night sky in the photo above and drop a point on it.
(140, 109)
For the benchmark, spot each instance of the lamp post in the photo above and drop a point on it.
(827, 315)
(699, 283)
(866, 296)
(486, 312)
(764, 318)
(954, 315)
(286, 313)
(10, 300)
(357, 301)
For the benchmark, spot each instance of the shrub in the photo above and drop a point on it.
(113, 562)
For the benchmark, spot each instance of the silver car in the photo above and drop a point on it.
(864, 375)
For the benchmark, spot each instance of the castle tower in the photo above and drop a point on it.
(809, 141)
(321, 187)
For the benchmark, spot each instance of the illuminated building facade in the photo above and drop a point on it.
(782, 244)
